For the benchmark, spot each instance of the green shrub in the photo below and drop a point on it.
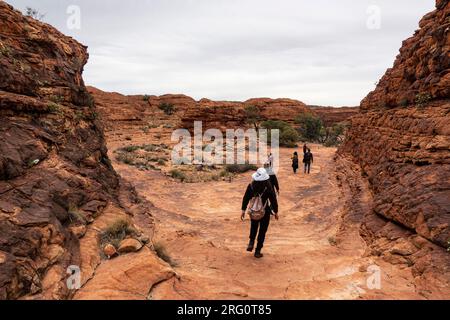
(116, 232)
(126, 158)
(288, 135)
(33, 13)
(75, 215)
(146, 97)
(177, 174)
(240, 168)
(162, 162)
(253, 116)
(130, 148)
(4, 50)
(161, 252)
(168, 108)
(53, 107)
(403, 103)
(422, 99)
(311, 126)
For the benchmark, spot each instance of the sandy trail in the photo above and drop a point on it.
(200, 228)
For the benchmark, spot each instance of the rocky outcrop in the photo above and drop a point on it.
(120, 111)
(54, 171)
(401, 140)
(421, 70)
(56, 179)
(331, 115)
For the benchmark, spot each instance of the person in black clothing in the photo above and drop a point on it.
(307, 160)
(295, 162)
(260, 186)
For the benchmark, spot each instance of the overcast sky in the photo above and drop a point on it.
(320, 52)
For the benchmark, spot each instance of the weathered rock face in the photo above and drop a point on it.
(421, 70)
(331, 115)
(54, 170)
(401, 139)
(119, 110)
(224, 114)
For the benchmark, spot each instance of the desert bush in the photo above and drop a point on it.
(334, 135)
(130, 148)
(288, 135)
(167, 107)
(422, 99)
(253, 116)
(403, 103)
(311, 126)
(177, 174)
(146, 97)
(33, 13)
(116, 232)
(53, 107)
(126, 158)
(161, 252)
(75, 215)
(4, 50)
(162, 162)
(240, 168)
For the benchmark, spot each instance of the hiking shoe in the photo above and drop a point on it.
(258, 254)
(251, 244)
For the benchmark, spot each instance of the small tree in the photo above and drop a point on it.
(311, 126)
(167, 107)
(33, 13)
(253, 116)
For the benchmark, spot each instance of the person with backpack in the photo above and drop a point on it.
(259, 202)
(295, 162)
(307, 160)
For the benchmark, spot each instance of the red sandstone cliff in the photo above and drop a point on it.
(55, 175)
(401, 140)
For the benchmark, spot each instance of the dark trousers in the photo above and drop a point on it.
(295, 169)
(262, 225)
(307, 167)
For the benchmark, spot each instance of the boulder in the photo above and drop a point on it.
(109, 250)
(130, 245)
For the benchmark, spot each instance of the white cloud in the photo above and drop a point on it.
(320, 52)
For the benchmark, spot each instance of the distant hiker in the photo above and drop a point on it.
(273, 178)
(295, 162)
(259, 202)
(270, 160)
(307, 160)
(305, 148)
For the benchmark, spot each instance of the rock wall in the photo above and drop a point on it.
(332, 115)
(401, 138)
(55, 176)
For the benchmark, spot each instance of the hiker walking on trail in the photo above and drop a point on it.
(305, 149)
(270, 160)
(259, 202)
(272, 177)
(308, 158)
(295, 162)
